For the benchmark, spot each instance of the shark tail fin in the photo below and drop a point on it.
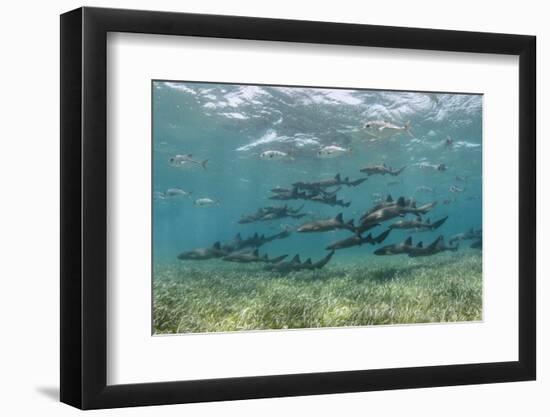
(399, 171)
(438, 223)
(203, 164)
(408, 129)
(426, 207)
(276, 260)
(324, 261)
(347, 204)
(368, 239)
(382, 236)
(436, 242)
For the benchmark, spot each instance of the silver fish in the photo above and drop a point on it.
(383, 129)
(186, 161)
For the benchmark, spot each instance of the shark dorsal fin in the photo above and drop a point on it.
(408, 241)
(296, 259)
(389, 199)
(216, 245)
(339, 218)
(308, 261)
(420, 245)
(401, 201)
(337, 177)
(255, 253)
(238, 236)
(255, 235)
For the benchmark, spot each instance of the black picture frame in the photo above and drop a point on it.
(84, 207)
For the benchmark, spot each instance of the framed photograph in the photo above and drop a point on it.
(257, 208)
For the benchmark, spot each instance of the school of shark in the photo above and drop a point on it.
(387, 214)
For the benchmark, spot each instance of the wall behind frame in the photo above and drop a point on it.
(30, 205)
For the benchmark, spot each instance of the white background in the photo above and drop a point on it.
(29, 219)
(134, 356)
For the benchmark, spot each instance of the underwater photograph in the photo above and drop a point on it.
(283, 207)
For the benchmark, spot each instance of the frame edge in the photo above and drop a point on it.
(528, 207)
(70, 214)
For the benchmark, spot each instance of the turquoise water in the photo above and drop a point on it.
(231, 125)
